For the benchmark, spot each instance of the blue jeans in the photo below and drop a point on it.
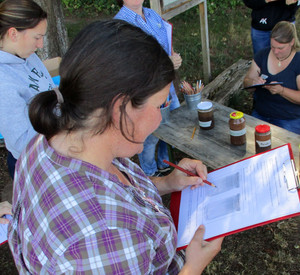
(147, 157)
(260, 39)
(292, 125)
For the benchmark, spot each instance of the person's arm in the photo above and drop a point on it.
(177, 180)
(5, 209)
(252, 77)
(256, 4)
(200, 253)
(291, 2)
(289, 94)
(15, 125)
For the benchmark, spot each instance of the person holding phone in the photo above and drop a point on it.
(278, 104)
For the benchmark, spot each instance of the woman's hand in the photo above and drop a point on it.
(275, 89)
(5, 208)
(200, 253)
(254, 76)
(177, 180)
(176, 59)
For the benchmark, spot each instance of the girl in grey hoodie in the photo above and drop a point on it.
(23, 25)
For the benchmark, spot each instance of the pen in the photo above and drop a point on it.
(187, 172)
(193, 133)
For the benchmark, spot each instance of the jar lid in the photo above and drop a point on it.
(204, 105)
(262, 128)
(236, 115)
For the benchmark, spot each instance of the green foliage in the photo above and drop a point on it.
(223, 6)
(88, 7)
(85, 7)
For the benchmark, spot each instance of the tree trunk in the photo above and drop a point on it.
(56, 39)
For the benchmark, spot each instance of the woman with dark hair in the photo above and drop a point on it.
(278, 104)
(23, 25)
(133, 12)
(80, 204)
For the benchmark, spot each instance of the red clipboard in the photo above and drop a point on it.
(176, 200)
(4, 242)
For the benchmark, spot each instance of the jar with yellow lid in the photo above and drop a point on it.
(237, 125)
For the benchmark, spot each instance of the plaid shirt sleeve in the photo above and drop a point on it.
(122, 252)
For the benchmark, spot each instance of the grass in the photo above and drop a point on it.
(227, 38)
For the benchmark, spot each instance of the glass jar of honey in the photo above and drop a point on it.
(262, 138)
(205, 115)
(237, 125)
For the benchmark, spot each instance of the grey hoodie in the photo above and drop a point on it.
(20, 80)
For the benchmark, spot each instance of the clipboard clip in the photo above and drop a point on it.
(294, 182)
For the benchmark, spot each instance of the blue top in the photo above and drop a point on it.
(275, 106)
(154, 24)
(156, 27)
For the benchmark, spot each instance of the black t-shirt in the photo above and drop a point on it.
(266, 15)
(276, 106)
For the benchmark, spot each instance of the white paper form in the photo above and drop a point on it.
(249, 192)
(3, 230)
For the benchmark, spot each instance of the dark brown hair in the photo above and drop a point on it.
(20, 14)
(106, 61)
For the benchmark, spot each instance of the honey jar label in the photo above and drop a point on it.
(265, 143)
(205, 124)
(238, 133)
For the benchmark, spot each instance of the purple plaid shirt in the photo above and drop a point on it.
(72, 217)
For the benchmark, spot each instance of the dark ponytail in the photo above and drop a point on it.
(42, 114)
(106, 61)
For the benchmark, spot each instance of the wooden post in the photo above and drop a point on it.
(205, 41)
(155, 5)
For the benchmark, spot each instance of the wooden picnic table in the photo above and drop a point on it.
(213, 146)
